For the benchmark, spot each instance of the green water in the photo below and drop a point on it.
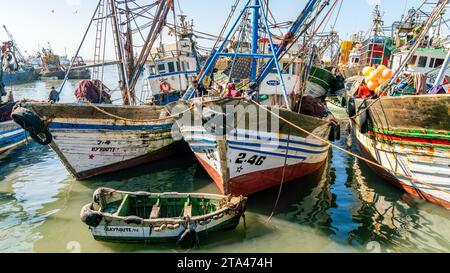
(344, 207)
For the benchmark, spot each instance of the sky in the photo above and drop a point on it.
(63, 22)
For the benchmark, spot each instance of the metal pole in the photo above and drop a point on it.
(440, 77)
(255, 38)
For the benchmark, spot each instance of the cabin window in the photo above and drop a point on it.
(294, 69)
(422, 61)
(187, 66)
(178, 66)
(413, 60)
(431, 62)
(171, 67)
(438, 62)
(286, 69)
(161, 68)
(151, 70)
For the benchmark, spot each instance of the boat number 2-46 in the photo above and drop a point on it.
(252, 160)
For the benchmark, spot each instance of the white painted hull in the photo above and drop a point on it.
(88, 152)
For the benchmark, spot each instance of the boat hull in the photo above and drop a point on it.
(245, 161)
(90, 143)
(411, 141)
(11, 136)
(159, 217)
(19, 77)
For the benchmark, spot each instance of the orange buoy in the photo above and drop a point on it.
(372, 85)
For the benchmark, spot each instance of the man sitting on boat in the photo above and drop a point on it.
(364, 91)
(53, 96)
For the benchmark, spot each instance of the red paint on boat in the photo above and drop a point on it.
(398, 183)
(257, 181)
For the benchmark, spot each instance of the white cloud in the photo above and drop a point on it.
(374, 2)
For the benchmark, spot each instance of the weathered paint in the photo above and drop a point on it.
(415, 145)
(246, 161)
(90, 143)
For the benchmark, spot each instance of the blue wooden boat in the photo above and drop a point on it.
(23, 75)
(11, 134)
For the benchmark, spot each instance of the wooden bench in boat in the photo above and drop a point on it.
(187, 209)
(156, 209)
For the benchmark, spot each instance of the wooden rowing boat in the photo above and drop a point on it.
(154, 217)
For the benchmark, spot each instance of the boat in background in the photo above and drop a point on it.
(11, 134)
(51, 66)
(79, 73)
(120, 216)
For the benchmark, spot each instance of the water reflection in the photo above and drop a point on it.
(344, 207)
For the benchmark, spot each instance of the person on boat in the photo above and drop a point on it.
(364, 91)
(198, 88)
(54, 95)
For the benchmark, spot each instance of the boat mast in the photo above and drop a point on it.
(129, 53)
(123, 79)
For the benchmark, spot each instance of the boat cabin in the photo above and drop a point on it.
(169, 71)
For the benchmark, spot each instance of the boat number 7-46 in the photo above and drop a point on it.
(253, 160)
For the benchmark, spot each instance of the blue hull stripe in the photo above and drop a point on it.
(75, 126)
(267, 153)
(262, 145)
(10, 140)
(10, 131)
(247, 136)
(171, 74)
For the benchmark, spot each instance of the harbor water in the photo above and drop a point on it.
(344, 207)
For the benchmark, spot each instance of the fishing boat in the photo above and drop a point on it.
(171, 67)
(407, 136)
(51, 66)
(245, 146)
(80, 73)
(91, 137)
(11, 135)
(157, 217)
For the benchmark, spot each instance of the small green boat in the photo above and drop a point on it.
(155, 217)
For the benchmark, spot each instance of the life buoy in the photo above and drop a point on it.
(10, 61)
(165, 87)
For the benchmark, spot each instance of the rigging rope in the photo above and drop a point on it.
(413, 180)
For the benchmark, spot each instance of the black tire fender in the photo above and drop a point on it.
(90, 217)
(351, 109)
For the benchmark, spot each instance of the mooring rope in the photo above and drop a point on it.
(349, 152)
(137, 120)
